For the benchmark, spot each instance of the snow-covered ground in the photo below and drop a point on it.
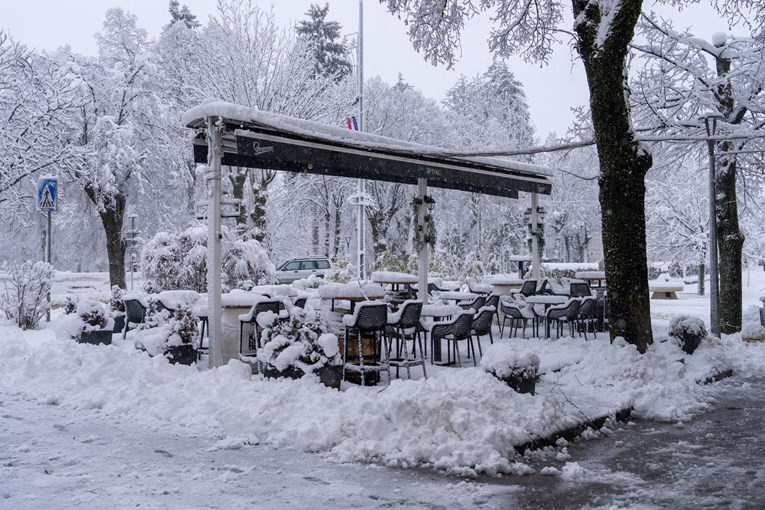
(460, 421)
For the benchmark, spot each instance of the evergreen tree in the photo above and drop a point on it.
(331, 54)
(180, 12)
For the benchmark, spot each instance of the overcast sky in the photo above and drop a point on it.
(551, 90)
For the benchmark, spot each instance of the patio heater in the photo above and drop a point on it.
(131, 240)
(533, 216)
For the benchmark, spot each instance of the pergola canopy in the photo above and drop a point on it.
(256, 139)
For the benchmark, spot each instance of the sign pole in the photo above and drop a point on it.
(47, 259)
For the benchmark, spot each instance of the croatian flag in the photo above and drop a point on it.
(352, 122)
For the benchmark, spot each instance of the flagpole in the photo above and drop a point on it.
(360, 219)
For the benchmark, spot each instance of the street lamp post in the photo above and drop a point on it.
(533, 216)
(710, 122)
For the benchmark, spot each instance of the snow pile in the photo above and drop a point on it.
(366, 290)
(462, 420)
(392, 277)
(465, 421)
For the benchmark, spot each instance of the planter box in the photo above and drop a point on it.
(119, 324)
(290, 372)
(690, 343)
(331, 376)
(522, 384)
(181, 354)
(96, 337)
(753, 339)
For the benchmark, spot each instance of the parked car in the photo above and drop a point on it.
(296, 269)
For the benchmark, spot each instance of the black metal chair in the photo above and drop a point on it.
(561, 314)
(432, 287)
(300, 302)
(407, 327)
(477, 288)
(529, 288)
(476, 304)
(135, 313)
(481, 325)
(579, 289)
(369, 318)
(453, 331)
(203, 319)
(493, 300)
(588, 316)
(545, 289)
(271, 305)
(517, 313)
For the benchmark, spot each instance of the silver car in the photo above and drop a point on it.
(296, 269)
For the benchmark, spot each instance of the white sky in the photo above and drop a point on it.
(551, 90)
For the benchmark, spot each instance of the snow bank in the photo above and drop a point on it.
(462, 420)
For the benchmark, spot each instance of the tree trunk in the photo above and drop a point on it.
(112, 219)
(338, 232)
(623, 166)
(730, 241)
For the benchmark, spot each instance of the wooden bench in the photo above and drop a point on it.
(665, 291)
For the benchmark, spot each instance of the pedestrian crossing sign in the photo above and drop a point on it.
(47, 194)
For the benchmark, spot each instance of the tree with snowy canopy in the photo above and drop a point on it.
(322, 36)
(603, 31)
(684, 79)
(177, 261)
(182, 13)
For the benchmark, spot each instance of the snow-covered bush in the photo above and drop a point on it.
(70, 306)
(89, 316)
(179, 328)
(116, 301)
(473, 266)
(172, 261)
(301, 341)
(341, 271)
(753, 331)
(688, 331)
(388, 261)
(25, 298)
(503, 360)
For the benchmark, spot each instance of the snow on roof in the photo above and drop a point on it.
(195, 118)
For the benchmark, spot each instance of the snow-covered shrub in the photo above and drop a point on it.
(688, 331)
(503, 360)
(25, 298)
(341, 271)
(473, 266)
(301, 341)
(89, 316)
(388, 261)
(70, 306)
(92, 314)
(172, 261)
(178, 328)
(116, 301)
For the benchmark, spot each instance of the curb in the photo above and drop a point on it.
(570, 433)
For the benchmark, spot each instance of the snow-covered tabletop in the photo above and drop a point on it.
(458, 296)
(590, 275)
(275, 290)
(392, 277)
(547, 300)
(240, 299)
(351, 290)
(440, 310)
(503, 279)
(170, 298)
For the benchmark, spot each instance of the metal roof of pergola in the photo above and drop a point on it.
(256, 139)
(239, 136)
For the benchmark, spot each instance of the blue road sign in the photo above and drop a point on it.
(47, 194)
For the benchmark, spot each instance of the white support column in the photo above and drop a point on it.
(422, 255)
(214, 246)
(535, 255)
